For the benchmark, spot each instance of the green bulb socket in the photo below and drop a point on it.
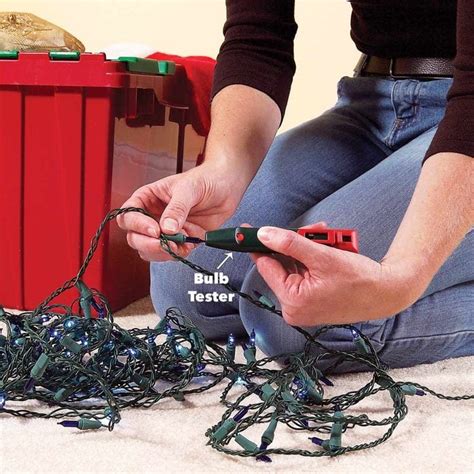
(40, 367)
(183, 351)
(141, 381)
(71, 345)
(161, 326)
(361, 345)
(288, 397)
(177, 238)
(194, 338)
(336, 431)
(224, 430)
(304, 375)
(246, 444)
(86, 307)
(230, 349)
(314, 393)
(84, 290)
(249, 354)
(179, 396)
(408, 389)
(266, 301)
(88, 424)
(266, 392)
(383, 380)
(269, 433)
(63, 394)
(127, 339)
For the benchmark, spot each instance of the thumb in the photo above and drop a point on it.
(176, 212)
(288, 242)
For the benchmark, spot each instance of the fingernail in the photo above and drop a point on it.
(265, 233)
(152, 232)
(170, 225)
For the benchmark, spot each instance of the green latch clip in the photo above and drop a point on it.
(150, 66)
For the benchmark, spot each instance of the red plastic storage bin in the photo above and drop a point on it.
(78, 134)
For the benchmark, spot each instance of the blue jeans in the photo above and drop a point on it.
(355, 166)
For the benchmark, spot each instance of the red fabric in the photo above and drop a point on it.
(199, 71)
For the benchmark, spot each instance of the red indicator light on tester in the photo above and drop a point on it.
(239, 237)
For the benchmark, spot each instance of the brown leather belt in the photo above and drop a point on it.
(404, 68)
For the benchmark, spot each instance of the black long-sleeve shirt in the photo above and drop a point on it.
(258, 50)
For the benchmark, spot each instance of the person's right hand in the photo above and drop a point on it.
(192, 202)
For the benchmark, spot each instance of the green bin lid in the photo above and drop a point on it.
(64, 55)
(8, 54)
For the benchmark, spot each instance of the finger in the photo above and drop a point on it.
(175, 214)
(148, 248)
(320, 224)
(137, 222)
(288, 242)
(272, 271)
(193, 230)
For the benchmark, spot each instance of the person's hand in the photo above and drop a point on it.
(192, 202)
(325, 285)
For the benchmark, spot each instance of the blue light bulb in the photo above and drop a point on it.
(241, 414)
(109, 345)
(3, 399)
(69, 423)
(231, 339)
(252, 338)
(169, 331)
(70, 324)
(133, 352)
(355, 334)
(317, 441)
(83, 342)
(303, 394)
(54, 333)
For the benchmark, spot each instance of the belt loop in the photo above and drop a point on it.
(391, 67)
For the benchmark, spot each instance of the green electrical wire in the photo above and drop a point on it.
(85, 370)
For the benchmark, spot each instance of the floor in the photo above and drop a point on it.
(436, 436)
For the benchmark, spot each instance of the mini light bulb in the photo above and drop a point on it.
(70, 324)
(3, 399)
(252, 338)
(133, 352)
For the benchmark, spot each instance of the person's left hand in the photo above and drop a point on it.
(325, 285)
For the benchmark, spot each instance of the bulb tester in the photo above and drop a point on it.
(244, 239)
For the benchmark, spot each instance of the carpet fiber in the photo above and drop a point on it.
(436, 436)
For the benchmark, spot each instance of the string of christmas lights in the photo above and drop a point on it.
(85, 369)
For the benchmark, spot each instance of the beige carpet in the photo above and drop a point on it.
(436, 436)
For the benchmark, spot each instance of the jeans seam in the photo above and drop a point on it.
(427, 337)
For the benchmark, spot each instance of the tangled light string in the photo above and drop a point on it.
(79, 361)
